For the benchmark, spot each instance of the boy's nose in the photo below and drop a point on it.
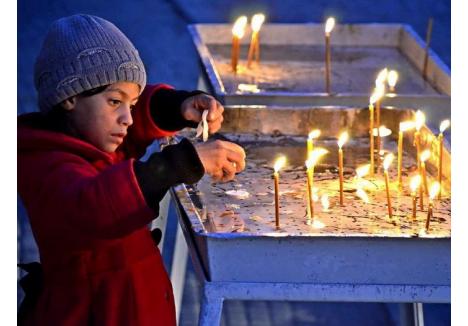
(126, 117)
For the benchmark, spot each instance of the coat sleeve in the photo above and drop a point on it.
(73, 196)
(144, 130)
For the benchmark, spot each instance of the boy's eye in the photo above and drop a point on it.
(114, 102)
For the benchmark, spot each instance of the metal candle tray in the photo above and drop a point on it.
(292, 67)
(236, 241)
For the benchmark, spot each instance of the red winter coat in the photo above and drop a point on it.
(89, 216)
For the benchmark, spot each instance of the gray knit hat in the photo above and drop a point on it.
(82, 52)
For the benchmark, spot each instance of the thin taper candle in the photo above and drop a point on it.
(414, 184)
(343, 138)
(254, 48)
(328, 28)
(435, 188)
(310, 202)
(387, 161)
(276, 177)
(371, 136)
(419, 122)
(237, 34)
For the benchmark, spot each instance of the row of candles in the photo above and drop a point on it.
(314, 155)
(257, 20)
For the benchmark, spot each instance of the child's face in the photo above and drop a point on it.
(103, 119)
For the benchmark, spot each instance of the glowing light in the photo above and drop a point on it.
(406, 125)
(257, 21)
(314, 134)
(388, 160)
(435, 188)
(444, 125)
(392, 78)
(415, 182)
(252, 88)
(376, 95)
(279, 163)
(330, 23)
(384, 131)
(343, 139)
(425, 155)
(362, 170)
(238, 29)
(420, 119)
(314, 156)
(381, 77)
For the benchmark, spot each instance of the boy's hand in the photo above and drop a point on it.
(221, 159)
(193, 107)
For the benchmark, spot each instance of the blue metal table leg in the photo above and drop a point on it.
(211, 307)
(411, 314)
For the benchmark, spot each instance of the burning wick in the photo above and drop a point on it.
(414, 185)
(404, 126)
(443, 126)
(279, 163)
(314, 156)
(419, 122)
(435, 188)
(310, 140)
(373, 99)
(238, 31)
(341, 141)
(254, 49)
(424, 157)
(387, 161)
(392, 79)
(330, 23)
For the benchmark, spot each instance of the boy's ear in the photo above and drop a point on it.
(69, 103)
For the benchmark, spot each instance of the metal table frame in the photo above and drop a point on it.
(214, 293)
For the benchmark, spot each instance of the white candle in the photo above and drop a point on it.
(330, 23)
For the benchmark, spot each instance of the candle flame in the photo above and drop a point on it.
(381, 77)
(330, 23)
(257, 21)
(406, 125)
(384, 131)
(325, 202)
(363, 195)
(435, 188)
(362, 170)
(343, 139)
(388, 160)
(314, 134)
(425, 155)
(415, 182)
(392, 78)
(444, 125)
(239, 27)
(314, 156)
(420, 119)
(376, 95)
(279, 163)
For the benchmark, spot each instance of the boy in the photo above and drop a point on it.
(88, 197)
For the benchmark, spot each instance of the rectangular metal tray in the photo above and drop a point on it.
(399, 258)
(291, 70)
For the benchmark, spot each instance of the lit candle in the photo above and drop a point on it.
(414, 185)
(435, 188)
(310, 140)
(341, 141)
(314, 156)
(387, 161)
(360, 173)
(426, 51)
(254, 49)
(424, 157)
(404, 126)
(419, 122)
(443, 125)
(237, 33)
(380, 87)
(374, 98)
(280, 162)
(392, 79)
(330, 23)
